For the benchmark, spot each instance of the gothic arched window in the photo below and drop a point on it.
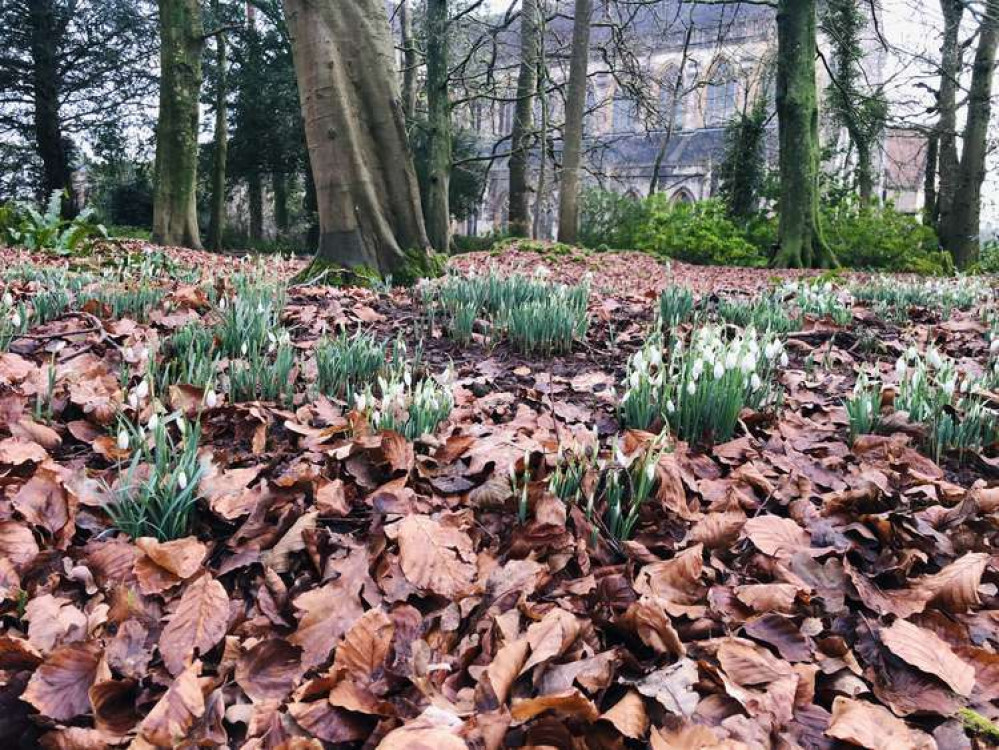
(670, 108)
(720, 100)
(625, 114)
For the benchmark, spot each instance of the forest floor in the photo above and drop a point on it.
(791, 586)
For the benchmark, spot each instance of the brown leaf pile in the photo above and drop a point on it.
(783, 590)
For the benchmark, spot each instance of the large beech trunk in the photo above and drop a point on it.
(799, 232)
(216, 225)
(951, 60)
(366, 189)
(575, 114)
(438, 213)
(960, 233)
(523, 120)
(175, 213)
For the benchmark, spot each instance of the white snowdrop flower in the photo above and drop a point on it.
(965, 385)
(655, 357)
(182, 425)
(719, 371)
(691, 388)
(670, 406)
(650, 471)
(8, 300)
(638, 361)
(695, 370)
(128, 353)
(243, 349)
(271, 337)
(123, 439)
(731, 359)
(624, 399)
(657, 381)
(634, 380)
(900, 367)
(153, 422)
(407, 378)
(948, 388)
(182, 479)
(211, 399)
(360, 401)
(755, 382)
(15, 319)
(142, 389)
(933, 357)
(994, 345)
(133, 400)
(783, 359)
(748, 363)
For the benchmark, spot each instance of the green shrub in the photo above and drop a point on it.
(609, 219)
(883, 238)
(35, 228)
(696, 233)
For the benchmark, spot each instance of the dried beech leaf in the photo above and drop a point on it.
(199, 622)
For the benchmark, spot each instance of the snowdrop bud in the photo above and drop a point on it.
(211, 399)
(182, 479)
(691, 388)
(783, 359)
(650, 471)
(638, 361)
(748, 364)
(719, 371)
(965, 385)
(360, 401)
(153, 422)
(182, 426)
(133, 400)
(755, 382)
(731, 360)
(407, 378)
(670, 406)
(695, 371)
(994, 345)
(900, 367)
(222, 304)
(8, 300)
(948, 388)
(634, 380)
(142, 389)
(656, 357)
(15, 319)
(123, 439)
(933, 357)
(243, 349)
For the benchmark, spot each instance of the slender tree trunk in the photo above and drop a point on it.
(367, 193)
(961, 234)
(799, 232)
(438, 214)
(310, 204)
(930, 179)
(279, 184)
(865, 173)
(408, 61)
(175, 212)
(950, 75)
(46, 29)
(216, 226)
(255, 195)
(575, 114)
(523, 120)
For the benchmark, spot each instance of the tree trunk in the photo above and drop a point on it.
(575, 114)
(950, 75)
(865, 173)
(523, 120)
(310, 205)
(46, 30)
(961, 233)
(800, 240)
(255, 197)
(175, 212)
(366, 189)
(438, 214)
(279, 184)
(930, 179)
(408, 61)
(675, 97)
(216, 225)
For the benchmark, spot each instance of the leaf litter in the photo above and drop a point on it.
(342, 586)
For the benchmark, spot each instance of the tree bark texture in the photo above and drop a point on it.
(800, 240)
(408, 61)
(950, 75)
(961, 233)
(523, 120)
(575, 114)
(367, 195)
(438, 211)
(216, 225)
(175, 214)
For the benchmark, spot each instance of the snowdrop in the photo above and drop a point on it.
(123, 439)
